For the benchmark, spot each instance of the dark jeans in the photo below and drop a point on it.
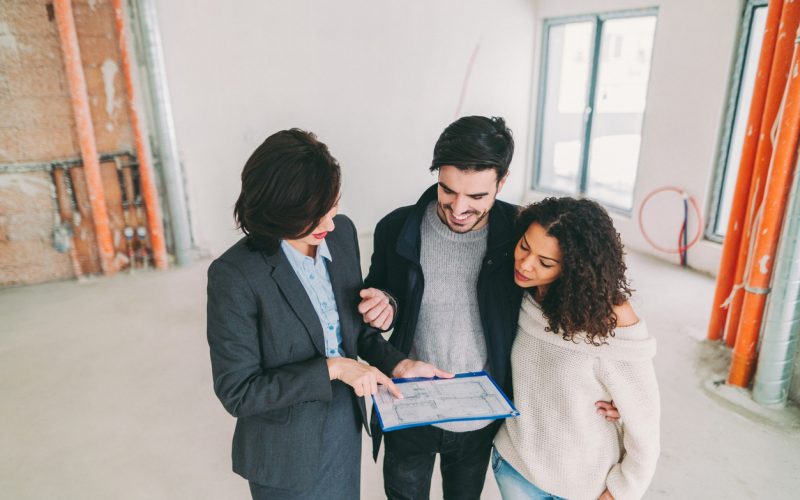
(410, 455)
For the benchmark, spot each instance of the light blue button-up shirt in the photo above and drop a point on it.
(313, 274)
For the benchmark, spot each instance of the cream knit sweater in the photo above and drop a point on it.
(559, 442)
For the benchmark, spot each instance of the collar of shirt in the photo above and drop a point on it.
(296, 256)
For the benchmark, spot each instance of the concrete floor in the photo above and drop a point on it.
(106, 393)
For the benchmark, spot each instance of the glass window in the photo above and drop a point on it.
(755, 19)
(567, 88)
(594, 149)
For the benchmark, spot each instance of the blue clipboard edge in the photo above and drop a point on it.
(514, 411)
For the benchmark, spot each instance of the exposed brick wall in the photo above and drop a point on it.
(27, 211)
(37, 124)
(35, 113)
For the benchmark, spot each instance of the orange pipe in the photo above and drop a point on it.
(85, 128)
(790, 17)
(65, 213)
(769, 229)
(733, 235)
(146, 174)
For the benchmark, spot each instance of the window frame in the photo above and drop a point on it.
(726, 135)
(597, 19)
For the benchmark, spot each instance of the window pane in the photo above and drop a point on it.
(569, 55)
(734, 153)
(626, 47)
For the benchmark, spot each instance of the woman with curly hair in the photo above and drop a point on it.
(578, 341)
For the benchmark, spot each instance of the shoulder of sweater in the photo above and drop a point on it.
(629, 343)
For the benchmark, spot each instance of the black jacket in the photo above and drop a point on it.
(396, 268)
(268, 356)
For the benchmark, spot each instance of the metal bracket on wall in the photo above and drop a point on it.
(13, 168)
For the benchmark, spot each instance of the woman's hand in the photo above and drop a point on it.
(606, 495)
(364, 379)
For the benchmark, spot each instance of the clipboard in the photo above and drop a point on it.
(426, 401)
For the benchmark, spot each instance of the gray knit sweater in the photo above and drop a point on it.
(449, 332)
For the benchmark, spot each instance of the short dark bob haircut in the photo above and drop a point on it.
(475, 143)
(592, 279)
(289, 183)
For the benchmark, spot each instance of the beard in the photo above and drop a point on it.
(441, 211)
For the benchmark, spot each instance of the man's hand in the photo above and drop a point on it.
(409, 368)
(608, 410)
(606, 495)
(364, 379)
(375, 308)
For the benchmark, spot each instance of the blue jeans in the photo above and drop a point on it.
(512, 485)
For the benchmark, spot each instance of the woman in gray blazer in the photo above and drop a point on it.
(284, 330)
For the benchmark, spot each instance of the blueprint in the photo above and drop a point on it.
(468, 396)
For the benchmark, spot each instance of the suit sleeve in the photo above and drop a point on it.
(377, 276)
(633, 387)
(372, 347)
(240, 382)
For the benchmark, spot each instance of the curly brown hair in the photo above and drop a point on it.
(592, 279)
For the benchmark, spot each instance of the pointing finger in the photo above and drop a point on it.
(392, 388)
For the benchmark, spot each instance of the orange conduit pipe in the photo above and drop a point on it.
(146, 173)
(781, 64)
(769, 229)
(733, 235)
(83, 121)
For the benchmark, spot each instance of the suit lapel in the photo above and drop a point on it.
(296, 296)
(338, 271)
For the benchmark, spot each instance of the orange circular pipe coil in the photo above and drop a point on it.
(697, 211)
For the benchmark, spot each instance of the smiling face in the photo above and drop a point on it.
(308, 244)
(465, 197)
(537, 259)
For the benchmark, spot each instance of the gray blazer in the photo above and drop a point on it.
(267, 355)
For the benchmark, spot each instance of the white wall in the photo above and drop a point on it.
(376, 80)
(693, 55)
(379, 80)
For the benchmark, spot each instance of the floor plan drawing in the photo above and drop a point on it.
(468, 396)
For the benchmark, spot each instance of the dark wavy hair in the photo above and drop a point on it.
(475, 143)
(289, 183)
(592, 279)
